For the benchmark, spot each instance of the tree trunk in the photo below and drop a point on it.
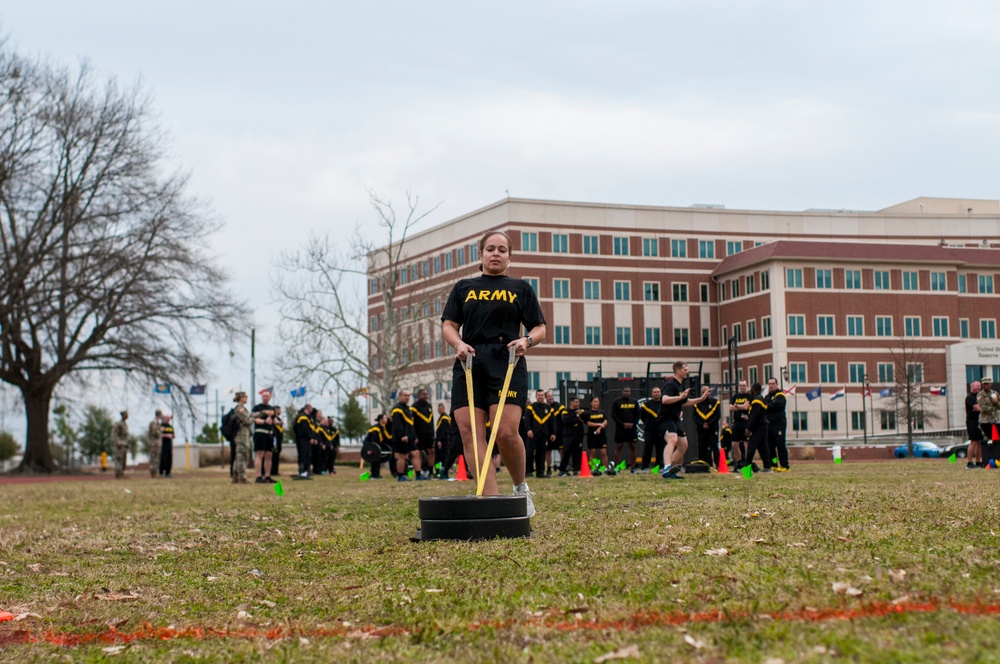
(37, 452)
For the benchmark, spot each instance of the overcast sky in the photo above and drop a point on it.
(285, 113)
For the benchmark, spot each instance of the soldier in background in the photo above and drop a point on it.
(573, 427)
(154, 439)
(331, 435)
(304, 440)
(776, 425)
(441, 440)
(707, 421)
(625, 413)
(538, 428)
(649, 415)
(242, 439)
(319, 443)
(167, 449)
(555, 437)
(119, 438)
(279, 435)
(263, 436)
(423, 424)
(376, 436)
(989, 419)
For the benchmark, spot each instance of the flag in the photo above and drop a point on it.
(715, 392)
(838, 394)
(940, 391)
(790, 391)
(278, 489)
(885, 392)
(747, 471)
(813, 394)
(198, 389)
(867, 392)
(300, 392)
(269, 390)
(162, 388)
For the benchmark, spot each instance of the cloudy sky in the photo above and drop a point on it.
(286, 113)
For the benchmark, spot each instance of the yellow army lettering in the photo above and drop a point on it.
(511, 394)
(505, 295)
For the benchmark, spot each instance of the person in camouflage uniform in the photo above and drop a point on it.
(243, 451)
(119, 438)
(154, 439)
(989, 420)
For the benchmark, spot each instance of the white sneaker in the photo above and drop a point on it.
(522, 490)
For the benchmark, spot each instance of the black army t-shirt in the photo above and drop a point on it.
(672, 388)
(491, 309)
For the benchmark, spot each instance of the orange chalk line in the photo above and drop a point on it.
(635, 622)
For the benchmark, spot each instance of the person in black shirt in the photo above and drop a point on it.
(167, 449)
(775, 403)
(423, 423)
(574, 422)
(625, 413)
(538, 428)
(597, 436)
(675, 397)
(707, 419)
(483, 318)
(404, 438)
(555, 437)
(739, 406)
(375, 437)
(279, 434)
(972, 425)
(757, 429)
(726, 440)
(263, 436)
(649, 415)
(304, 440)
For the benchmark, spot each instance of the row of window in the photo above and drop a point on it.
(428, 267)
(621, 245)
(857, 372)
(829, 419)
(562, 335)
(909, 280)
(912, 326)
(623, 290)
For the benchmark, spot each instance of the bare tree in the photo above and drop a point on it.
(102, 254)
(327, 335)
(909, 361)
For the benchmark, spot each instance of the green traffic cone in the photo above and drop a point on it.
(747, 471)
(364, 477)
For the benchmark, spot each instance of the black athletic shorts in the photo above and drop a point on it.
(489, 367)
(623, 435)
(975, 433)
(673, 426)
(553, 445)
(263, 443)
(425, 442)
(399, 447)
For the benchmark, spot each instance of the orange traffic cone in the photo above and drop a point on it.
(723, 465)
(462, 475)
(996, 436)
(585, 465)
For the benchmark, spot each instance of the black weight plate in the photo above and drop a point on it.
(446, 508)
(475, 529)
(371, 452)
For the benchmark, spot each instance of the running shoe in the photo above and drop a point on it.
(522, 490)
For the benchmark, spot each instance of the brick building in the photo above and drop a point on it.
(626, 285)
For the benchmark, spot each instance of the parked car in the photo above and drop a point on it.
(921, 448)
(960, 450)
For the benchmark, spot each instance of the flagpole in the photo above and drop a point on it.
(253, 377)
(847, 415)
(821, 435)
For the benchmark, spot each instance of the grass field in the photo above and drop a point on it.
(892, 562)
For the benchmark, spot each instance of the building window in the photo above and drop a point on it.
(852, 279)
(404, 276)
(591, 244)
(882, 280)
(986, 283)
(563, 377)
(560, 243)
(824, 278)
(373, 324)
(883, 326)
(886, 372)
(734, 287)
(963, 284)
(825, 326)
(534, 380)
(940, 326)
(722, 292)
(915, 372)
(753, 374)
(793, 277)
(623, 290)
(765, 327)
(650, 246)
(591, 289)
(529, 241)
(680, 292)
(460, 252)
(725, 334)
(706, 337)
(621, 246)
(562, 334)
(855, 326)
(560, 289)
(448, 261)
(987, 328)
(738, 332)
(751, 285)
(856, 372)
(437, 264)
(650, 291)
(768, 372)
(652, 336)
(706, 248)
(800, 421)
(796, 326)
(593, 335)
(911, 280)
(797, 372)
(887, 420)
(827, 372)
(765, 280)
(857, 420)
(939, 281)
(704, 292)
(829, 420)
(733, 247)
(473, 253)
(911, 326)
(963, 328)
(623, 336)
(373, 286)
(533, 282)
(678, 248)
(751, 330)
(681, 336)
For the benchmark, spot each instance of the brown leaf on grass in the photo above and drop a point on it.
(21, 616)
(351, 587)
(844, 539)
(117, 622)
(35, 568)
(629, 652)
(693, 642)
(580, 609)
(897, 576)
(117, 597)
